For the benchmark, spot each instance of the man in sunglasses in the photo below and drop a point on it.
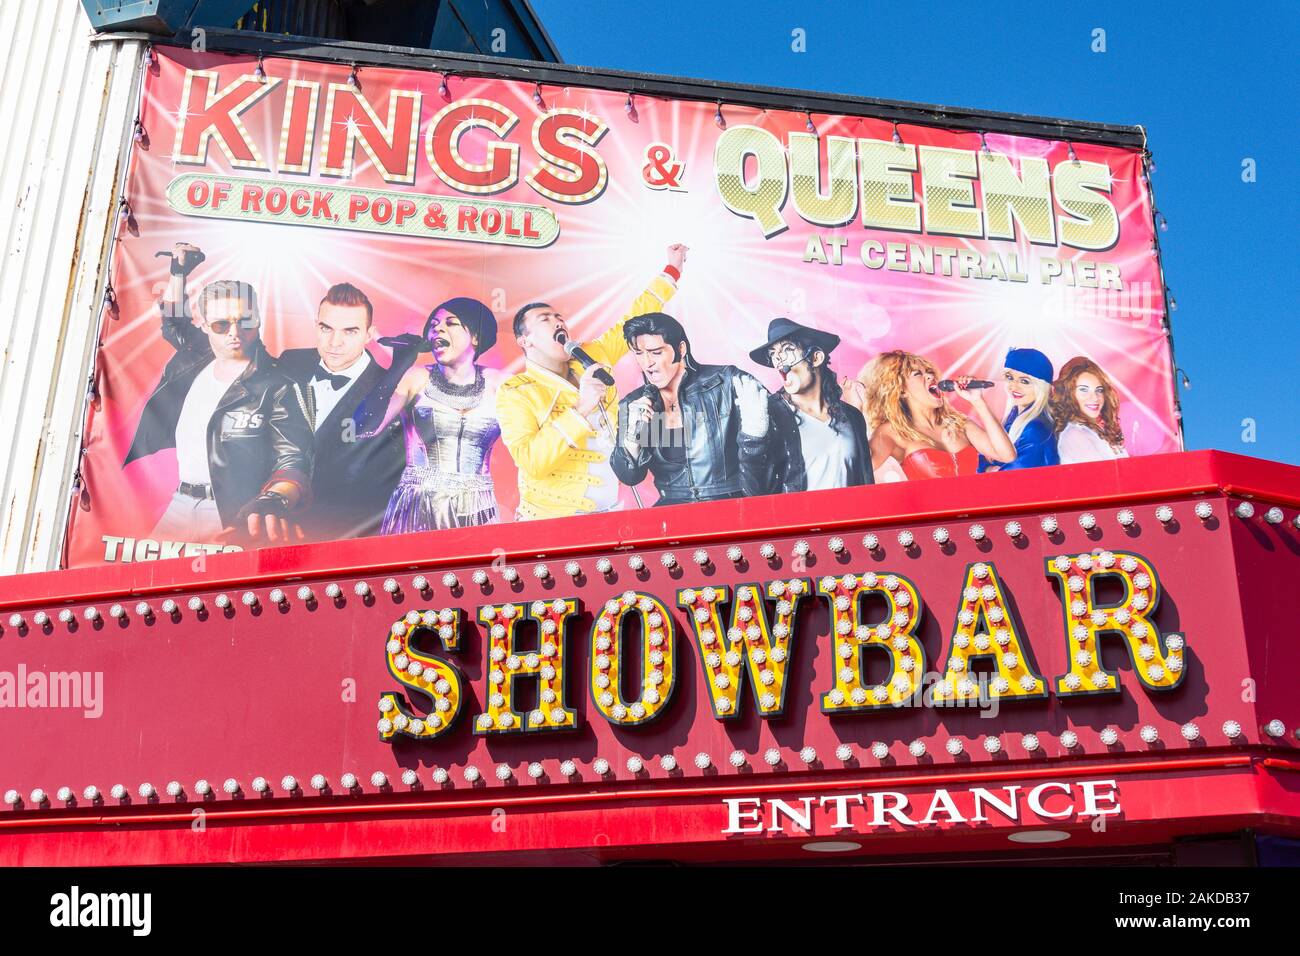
(824, 437)
(240, 427)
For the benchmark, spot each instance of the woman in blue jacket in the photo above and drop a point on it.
(1027, 377)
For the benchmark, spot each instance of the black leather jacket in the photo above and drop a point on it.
(258, 434)
(720, 460)
(848, 424)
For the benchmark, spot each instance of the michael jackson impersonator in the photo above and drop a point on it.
(240, 427)
(448, 414)
(557, 420)
(824, 438)
(702, 431)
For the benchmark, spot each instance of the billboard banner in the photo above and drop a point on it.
(350, 302)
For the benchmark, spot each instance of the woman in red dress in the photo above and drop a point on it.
(912, 422)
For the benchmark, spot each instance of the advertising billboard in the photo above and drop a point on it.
(360, 301)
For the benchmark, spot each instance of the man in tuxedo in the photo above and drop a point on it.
(353, 477)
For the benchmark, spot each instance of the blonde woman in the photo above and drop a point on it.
(1085, 408)
(913, 424)
(1027, 378)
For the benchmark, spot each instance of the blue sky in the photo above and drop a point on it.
(1212, 88)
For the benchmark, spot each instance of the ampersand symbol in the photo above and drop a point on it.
(660, 170)
(435, 218)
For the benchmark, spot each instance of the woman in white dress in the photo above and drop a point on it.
(1085, 408)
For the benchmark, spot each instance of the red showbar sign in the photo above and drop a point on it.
(1061, 649)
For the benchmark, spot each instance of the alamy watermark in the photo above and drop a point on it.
(74, 690)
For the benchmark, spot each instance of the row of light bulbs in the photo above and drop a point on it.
(772, 757)
(170, 608)
(629, 107)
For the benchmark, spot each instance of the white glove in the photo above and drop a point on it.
(751, 400)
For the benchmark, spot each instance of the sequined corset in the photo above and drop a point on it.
(449, 429)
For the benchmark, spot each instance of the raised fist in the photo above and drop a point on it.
(186, 257)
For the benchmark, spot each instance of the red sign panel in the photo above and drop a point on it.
(1001, 668)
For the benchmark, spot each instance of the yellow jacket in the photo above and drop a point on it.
(546, 436)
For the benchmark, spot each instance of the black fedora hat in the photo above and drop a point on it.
(784, 328)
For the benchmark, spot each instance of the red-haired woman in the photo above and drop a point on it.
(1085, 409)
(912, 422)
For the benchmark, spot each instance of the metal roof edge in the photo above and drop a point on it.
(650, 84)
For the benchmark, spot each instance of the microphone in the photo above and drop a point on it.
(574, 351)
(948, 385)
(406, 340)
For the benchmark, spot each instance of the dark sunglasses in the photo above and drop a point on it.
(222, 326)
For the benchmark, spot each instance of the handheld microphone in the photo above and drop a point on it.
(948, 385)
(574, 351)
(400, 341)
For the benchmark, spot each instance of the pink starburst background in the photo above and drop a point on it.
(734, 281)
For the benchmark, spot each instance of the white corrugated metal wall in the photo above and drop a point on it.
(68, 109)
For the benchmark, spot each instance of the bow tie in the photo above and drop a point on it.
(322, 374)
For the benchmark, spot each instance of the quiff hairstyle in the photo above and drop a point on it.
(346, 294)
